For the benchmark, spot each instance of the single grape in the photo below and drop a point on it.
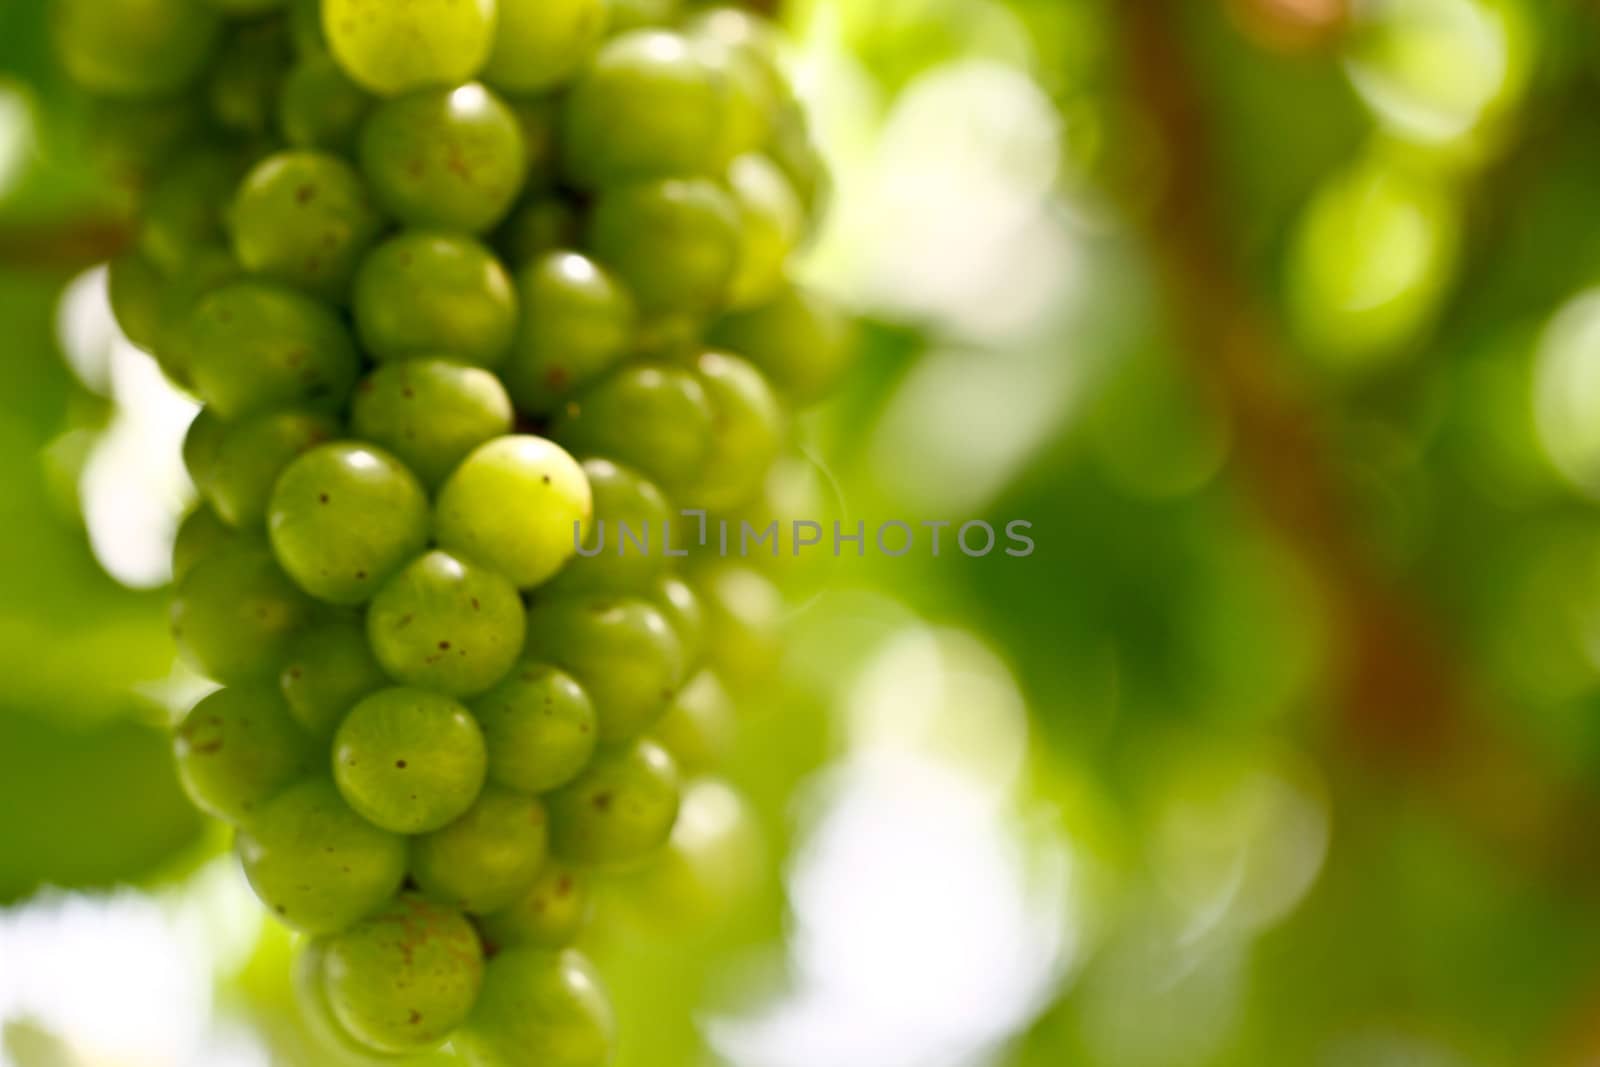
(539, 44)
(541, 226)
(647, 107)
(519, 505)
(772, 224)
(181, 212)
(421, 294)
(343, 518)
(200, 535)
(551, 915)
(319, 107)
(304, 218)
(392, 46)
(795, 152)
(539, 1007)
(256, 346)
(620, 811)
(577, 323)
(207, 270)
(448, 158)
(202, 445)
(247, 75)
(252, 455)
(711, 865)
(753, 95)
(747, 432)
(317, 865)
(431, 413)
(133, 48)
(329, 670)
(487, 859)
(237, 748)
(307, 976)
(620, 649)
(657, 419)
(446, 624)
(235, 614)
(627, 547)
(540, 727)
(409, 760)
(134, 286)
(675, 243)
(678, 602)
(797, 340)
(699, 728)
(403, 979)
(744, 617)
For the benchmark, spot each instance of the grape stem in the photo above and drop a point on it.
(66, 245)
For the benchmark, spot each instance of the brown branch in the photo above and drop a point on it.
(62, 246)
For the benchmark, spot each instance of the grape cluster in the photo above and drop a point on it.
(459, 283)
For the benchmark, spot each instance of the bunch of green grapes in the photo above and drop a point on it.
(460, 285)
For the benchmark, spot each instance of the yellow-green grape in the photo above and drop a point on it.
(542, 43)
(488, 858)
(752, 98)
(135, 288)
(539, 1008)
(540, 727)
(797, 340)
(256, 346)
(578, 322)
(202, 445)
(207, 270)
(251, 456)
(446, 624)
(329, 670)
(747, 432)
(620, 811)
(403, 979)
(621, 650)
(519, 505)
(657, 419)
(744, 616)
(237, 748)
(319, 106)
(680, 605)
(303, 218)
(551, 915)
(447, 158)
(181, 212)
(317, 865)
(772, 222)
(200, 535)
(235, 613)
(311, 997)
(246, 77)
(638, 14)
(627, 545)
(343, 518)
(392, 46)
(675, 243)
(431, 413)
(408, 760)
(700, 727)
(422, 294)
(710, 866)
(133, 48)
(794, 151)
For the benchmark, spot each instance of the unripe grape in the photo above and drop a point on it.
(541, 43)
(202, 444)
(551, 915)
(771, 226)
(620, 811)
(798, 341)
(519, 505)
(307, 975)
(539, 1007)
(540, 727)
(422, 294)
(237, 748)
(539, 227)
(135, 286)
(578, 322)
(634, 519)
(182, 211)
(711, 864)
(207, 270)
(200, 535)
(488, 858)
(329, 670)
(431, 413)
(744, 616)
(403, 979)
(408, 760)
(303, 218)
(699, 728)
(621, 650)
(675, 243)
(747, 432)
(235, 613)
(680, 605)
(657, 419)
(392, 46)
(639, 14)
(133, 48)
(317, 865)
(320, 107)
(446, 624)
(253, 454)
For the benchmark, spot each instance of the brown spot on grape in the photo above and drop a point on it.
(602, 801)
(444, 646)
(305, 194)
(400, 763)
(322, 498)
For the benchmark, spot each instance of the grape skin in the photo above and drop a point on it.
(542, 1008)
(446, 624)
(675, 243)
(578, 321)
(431, 413)
(550, 915)
(327, 671)
(541, 43)
(303, 218)
(236, 749)
(408, 760)
(235, 613)
(655, 418)
(540, 726)
(250, 456)
(620, 811)
(486, 859)
(392, 46)
(623, 499)
(426, 293)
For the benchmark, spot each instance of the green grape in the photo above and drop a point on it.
(675, 243)
(797, 340)
(310, 991)
(577, 323)
(487, 859)
(620, 649)
(540, 226)
(421, 294)
(539, 1007)
(519, 505)
(539, 44)
(202, 445)
(795, 153)
(744, 617)
(676, 600)
(393, 46)
(657, 419)
(551, 915)
(252, 455)
(182, 210)
(620, 811)
(747, 432)
(446, 624)
(699, 728)
(629, 15)
(772, 224)
(317, 865)
(255, 346)
(246, 77)
(207, 270)
(343, 518)
(711, 864)
(409, 760)
(647, 107)
(329, 670)
(304, 218)
(753, 94)
(448, 158)
(403, 979)
(135, 286)
(235, 613)
(132, 48)
(627, 544)
(431, 413)
(320, 107)
(540, 727)
(236, 749)
(200, 535)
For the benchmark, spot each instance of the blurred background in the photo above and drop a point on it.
(1280, 322)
